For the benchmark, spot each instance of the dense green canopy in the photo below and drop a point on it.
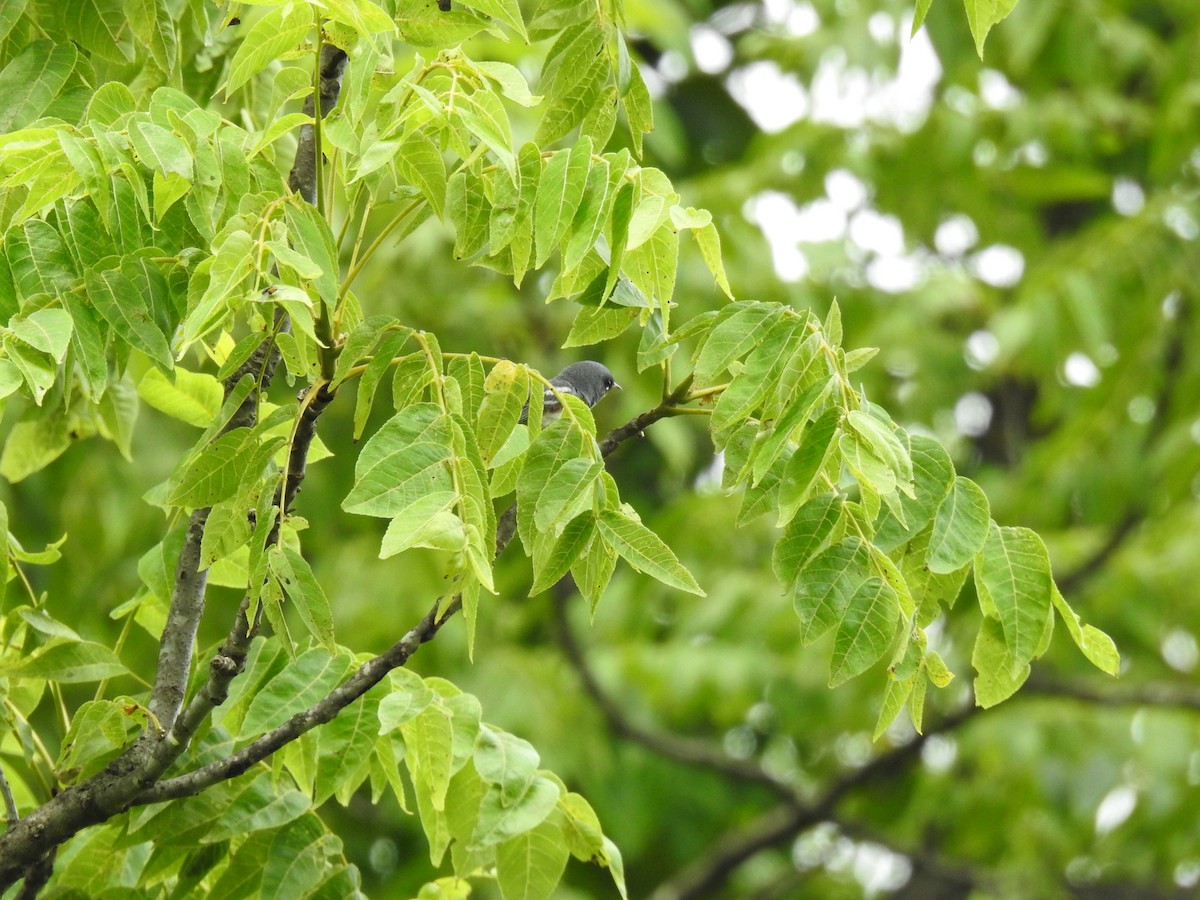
(812, 547)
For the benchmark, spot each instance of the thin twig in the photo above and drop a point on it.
(10, 803)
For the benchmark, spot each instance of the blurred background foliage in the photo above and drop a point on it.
(1019, 237)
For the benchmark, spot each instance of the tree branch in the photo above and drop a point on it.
(228, 662)
(712, 869)
(691, 752)
(27, 849)
(12, 817)
(1168, 696)
(303, 177)
(368, 675)
(792, 816)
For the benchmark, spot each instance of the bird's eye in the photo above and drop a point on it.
(608, 382)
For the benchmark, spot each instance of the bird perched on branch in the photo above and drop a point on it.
(588, 380)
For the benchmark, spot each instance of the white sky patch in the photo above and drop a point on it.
(879, 870)
(784, 226)
(845, 189)
(1080, 371)
(734, 18)
(981, 350)
(672, 66)
(798, 19)
(972, 414)
(711, 49)
(1180, 221)
(1117, 806)
(996, 91)
(774, 99)
(1033, 153)
(655, 85)
(882, 28)
(939, 753)
(956, 236)
(1187, 873)
(1180, 651)
(1128, 198)
(895, 274)
(877, 232)
(998, 265)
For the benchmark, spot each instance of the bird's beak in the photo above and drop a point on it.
(617, 386)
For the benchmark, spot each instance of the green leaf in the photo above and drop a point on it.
(33, 444)
(882, 441)
(125, 309)
(588, 223)
(506, 391)
(277, 33)
(420, 163)
(593, 569)
(919, 15)
(999, 675)
(66, 661)
(48, 330)
(639, 109)
(32, 80)
(408, 696)
(866, 630)
(982, 15)
(485, 117)
(559, 194)
(803, 470)
(805, 536)
(305, 592)
(554, 555)
(1097, 646)
(644, 550)
(98, 728)
(311, 236)
(506, 760)
(301, 683)
(161, 150)
(467, 209)
(499, 821)
(759, 377)
(933, 476)
(567, 492)
(428, 738)
(194, 397)
(428, 522)
(1013, 573)
(215, 473)
(709, 242)
(734, 335)
(960, 527)
(823, 589)
(894, 698)
(102, 27)
(530, 865)
(261, 805)
(507, 11)
(402, 462)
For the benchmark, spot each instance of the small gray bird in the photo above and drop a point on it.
(587, 380)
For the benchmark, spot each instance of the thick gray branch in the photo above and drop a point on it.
(303, 178)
